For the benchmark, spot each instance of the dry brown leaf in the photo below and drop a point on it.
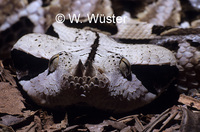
(11, 100)
(47, 122)
(71, 128)
(101, 127)
(30, 128)
(4, 128)
(10, 120)
(35, 125)
(189, 101)
(164, 118)
(138, 125)
(127, 129)
(5, 75)
(58, 126)
(18, 121)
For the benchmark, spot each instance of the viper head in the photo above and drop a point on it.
(84, 77)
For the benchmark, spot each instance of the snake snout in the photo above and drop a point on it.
(84, 79)
(82, 70)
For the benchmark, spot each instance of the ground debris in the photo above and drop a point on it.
(4, 128)
(162, 120)
(11, 100)
(190, 121)
(45, 121)
(189, 101)
(106, 125)
(175, 118)
(33, 126)
(5, 75)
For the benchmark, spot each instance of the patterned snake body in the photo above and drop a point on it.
(89, 67)
(183, 42)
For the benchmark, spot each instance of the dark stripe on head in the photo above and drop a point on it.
(94, 47)
(50, 31)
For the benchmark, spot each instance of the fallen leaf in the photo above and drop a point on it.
(106, 123)
(190, 121)
(4, 128)
(35, 125)
(48, 122)
(11, 100)
(5, 75)
(10, 120)
(189, 101)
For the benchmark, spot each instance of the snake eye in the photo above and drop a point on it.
(125, 68)
(53, 63)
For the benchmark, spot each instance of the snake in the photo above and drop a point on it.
(82, 66)
(119, 73)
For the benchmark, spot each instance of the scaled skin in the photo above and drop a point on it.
(107, 88)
